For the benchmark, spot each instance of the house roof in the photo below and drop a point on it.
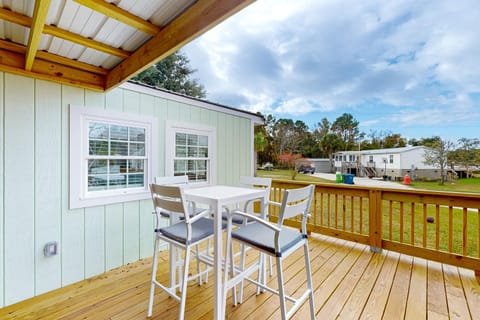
(99, 44)
(257, 119)
(382, 151)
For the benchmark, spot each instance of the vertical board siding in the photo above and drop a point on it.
(131, 214)
(19, 251)
(2, 180)
(114, 212)
(72, 245)
(34, 185)
(48, 177)
(94, 217)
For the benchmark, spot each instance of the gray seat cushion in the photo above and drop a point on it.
(166, 214)
(260, 236)
(236, 219)
(201, 229)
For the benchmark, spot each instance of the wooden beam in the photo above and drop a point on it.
(39, 16)
(18, 48)
(14, 63)
(114, 12)
(197, 19)
(26, 21)
(73, 37)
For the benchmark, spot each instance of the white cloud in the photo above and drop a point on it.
(297, 57)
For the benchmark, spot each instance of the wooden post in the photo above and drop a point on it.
(477, 275)
(375, 224)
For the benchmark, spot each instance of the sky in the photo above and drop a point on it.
(408, 67)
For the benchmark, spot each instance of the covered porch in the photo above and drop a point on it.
(350, 283)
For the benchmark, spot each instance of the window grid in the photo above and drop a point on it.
(116, 157)
(191, 156)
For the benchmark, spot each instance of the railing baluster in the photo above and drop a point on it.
(464, 229)
(424, 225)
(437, 227)
(412, 224)
(328, 212)
(401, 221)
(321, 209)
(336, 211)
(361, 216)
(352, 207)
(450, 229)
(344, 212)
(390, 219)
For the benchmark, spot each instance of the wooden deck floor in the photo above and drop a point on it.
(350, 283)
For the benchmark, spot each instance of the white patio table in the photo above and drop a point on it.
(216, 197)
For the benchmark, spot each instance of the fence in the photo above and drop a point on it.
(439, 226)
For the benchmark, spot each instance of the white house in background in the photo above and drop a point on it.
(394, 163)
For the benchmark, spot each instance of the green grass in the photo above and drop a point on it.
(471, 185)
(460, 185)
(287, 175)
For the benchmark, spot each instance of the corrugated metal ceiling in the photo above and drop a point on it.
(101, 34)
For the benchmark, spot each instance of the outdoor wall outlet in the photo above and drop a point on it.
(50, 249)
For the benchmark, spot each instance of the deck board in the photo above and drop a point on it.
(350, 283)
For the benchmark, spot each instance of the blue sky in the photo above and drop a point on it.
(408, 67)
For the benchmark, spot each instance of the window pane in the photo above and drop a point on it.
(98, 148)
(201, 165)
(203, 141)
(181, 151)
(136, 166)
(118, 133)
(136, 134)
(192, 139)
(192, 152)
(97, 130)
(117, 166)
(203, 152)
(181, 139)
(137, 149)
(117, 181)
(118, 148)
(135, 180)
(97, 167)
(97, 182)
(180, 166)
(191, 165)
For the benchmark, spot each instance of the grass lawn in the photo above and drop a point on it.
(287, 175)
(460, 185)
(471, 185)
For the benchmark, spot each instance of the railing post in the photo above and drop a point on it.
(375, 221)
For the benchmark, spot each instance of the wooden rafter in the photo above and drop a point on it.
(26, 21)
(18, 48)
(39, 16)
(112, 11)
(197, 19)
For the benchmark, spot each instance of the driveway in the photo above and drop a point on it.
(367, 182)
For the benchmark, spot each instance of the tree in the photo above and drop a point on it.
(466, 154)
(346, 127)
(330, 144)
(173, 73)
(437, 155)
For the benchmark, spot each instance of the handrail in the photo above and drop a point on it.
(439, 226)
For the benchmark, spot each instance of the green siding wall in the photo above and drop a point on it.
(34, 179)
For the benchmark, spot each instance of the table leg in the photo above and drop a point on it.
(219, 313)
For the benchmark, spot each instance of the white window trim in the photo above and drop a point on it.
(79, 116)
(171, 127)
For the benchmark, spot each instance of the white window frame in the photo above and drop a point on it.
(80, 117)
(172, 128)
